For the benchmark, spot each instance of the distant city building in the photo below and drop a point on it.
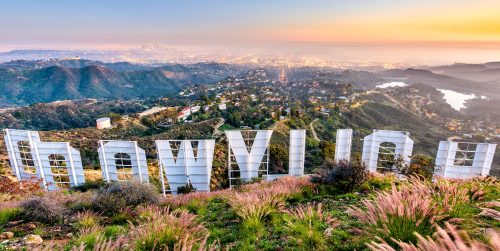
(103, 123)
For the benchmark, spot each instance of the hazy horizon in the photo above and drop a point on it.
(410, 32)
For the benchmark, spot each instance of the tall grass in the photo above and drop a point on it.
(309, 227)
(89, 237)
(86, 219)
(418, 204)
(8, 214)
(258, 200)
(254, 203)
(448, 239)
(398, 213)
(162, 229)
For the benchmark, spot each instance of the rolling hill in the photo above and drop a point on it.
(487, 72)
(413, 76)
(27, 82)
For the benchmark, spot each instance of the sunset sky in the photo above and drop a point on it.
(258, 22)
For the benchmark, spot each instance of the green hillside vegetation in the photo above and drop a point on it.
(27, 82)
(371, 212)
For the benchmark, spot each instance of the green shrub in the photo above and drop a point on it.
(123, 217)
(378, 182)
(80, 202)
(86, 219)
(117, 196)
(344, 176)
(188, 188)
(163, 229)
(309, 227)
(398, 214)
(8, 214)
(42, 209)
(90, 185)
(89, 237)
(113, 231)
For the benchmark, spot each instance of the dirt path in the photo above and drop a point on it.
(217, 126)
(390, 98)
(315, 136)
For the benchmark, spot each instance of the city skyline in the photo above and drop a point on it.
(410, 32)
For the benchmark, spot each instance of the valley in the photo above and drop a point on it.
(245, 97)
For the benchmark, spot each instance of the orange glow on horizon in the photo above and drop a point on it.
(471, 25)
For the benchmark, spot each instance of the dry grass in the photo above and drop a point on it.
(309, 227)
(311, 213)
(86, 219)
(162, 229)
(449, 239)
(284, 186)
(399, 213)
(418, 204)
(11, 190)
(258, 200)
(187, 244)
(255, 205)
(491, 213)
(176, 201)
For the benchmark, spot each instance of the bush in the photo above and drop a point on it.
(188, 188)
(123, 217)
(344, 176)
(86, 219)
(80, 202)
(117, 196)
(163, 229)
(309, 227)
(89, 237)
(398, 214)
(8, 214)
(446, 239)
(113, 231)
(42, 209)
(377, 181)
(90, 185)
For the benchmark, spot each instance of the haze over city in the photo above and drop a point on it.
(409, 32)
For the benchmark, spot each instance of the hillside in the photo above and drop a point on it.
(487, 72)
(66, 115)
(71, 63)
(28, 82)
(291, 213)
(413, 76)
(383, 114)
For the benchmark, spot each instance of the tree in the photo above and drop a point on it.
(327, 149)
(344, 176)
(278, 158)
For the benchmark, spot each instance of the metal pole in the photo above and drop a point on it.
(35, 148)
(188, 178)
(229, 164)
(14, 157)
(138, 160)
(70, 156)
(267, 161)
(160, 164)
(104, 160)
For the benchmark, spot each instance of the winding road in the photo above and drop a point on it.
(315, 136)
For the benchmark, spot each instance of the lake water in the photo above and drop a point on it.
(392, 84)
(456, 99)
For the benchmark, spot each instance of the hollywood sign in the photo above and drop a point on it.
(59, 165)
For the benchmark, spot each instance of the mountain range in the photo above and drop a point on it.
(27, 82)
